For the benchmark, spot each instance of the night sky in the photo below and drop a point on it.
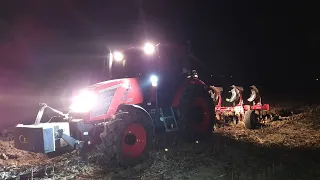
(273, 44)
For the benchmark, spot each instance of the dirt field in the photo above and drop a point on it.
(283, 149)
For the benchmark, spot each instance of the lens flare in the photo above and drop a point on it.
(83, 102)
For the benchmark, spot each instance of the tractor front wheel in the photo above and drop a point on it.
(127, 141)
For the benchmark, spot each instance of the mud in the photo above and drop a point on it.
(287, 148)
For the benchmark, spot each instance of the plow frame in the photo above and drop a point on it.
(238, 112)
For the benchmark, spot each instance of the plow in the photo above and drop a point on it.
(123, 116)
(250, 115)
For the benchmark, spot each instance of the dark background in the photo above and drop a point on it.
(48, 46)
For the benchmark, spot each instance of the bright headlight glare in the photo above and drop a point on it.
(83, 102)
(149, 48)
(118, 56)
(154, 80)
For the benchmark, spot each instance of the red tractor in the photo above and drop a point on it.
(249, 115)
(146, 95)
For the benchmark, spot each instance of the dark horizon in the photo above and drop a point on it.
(271, 44)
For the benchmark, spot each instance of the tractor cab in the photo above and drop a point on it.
(162, 69)
(164, 60)
(131, 64)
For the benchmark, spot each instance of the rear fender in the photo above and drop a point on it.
(181, 89)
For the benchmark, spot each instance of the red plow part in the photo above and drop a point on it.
(224, 109)
(238, 110)
(260, 107)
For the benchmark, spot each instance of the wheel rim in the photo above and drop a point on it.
(203, 113)
(134, 140)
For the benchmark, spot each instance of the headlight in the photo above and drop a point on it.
(154, 80)
(118, 56)
(149, 48)
(83, 102)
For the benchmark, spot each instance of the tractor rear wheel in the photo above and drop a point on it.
(127, 141)
(197, 114)
(250, 119)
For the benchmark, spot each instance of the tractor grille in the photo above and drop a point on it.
(103, 103)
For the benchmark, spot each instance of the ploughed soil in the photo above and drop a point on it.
(286, 148)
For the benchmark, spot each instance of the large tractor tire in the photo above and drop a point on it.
(128, 140)
(197, 114)
(250, 119)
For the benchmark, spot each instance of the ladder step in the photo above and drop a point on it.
(172, 115)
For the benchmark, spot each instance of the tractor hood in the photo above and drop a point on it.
(107, 85)
(100, 101)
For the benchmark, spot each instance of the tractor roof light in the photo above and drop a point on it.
(149, 48)
(118, 56)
